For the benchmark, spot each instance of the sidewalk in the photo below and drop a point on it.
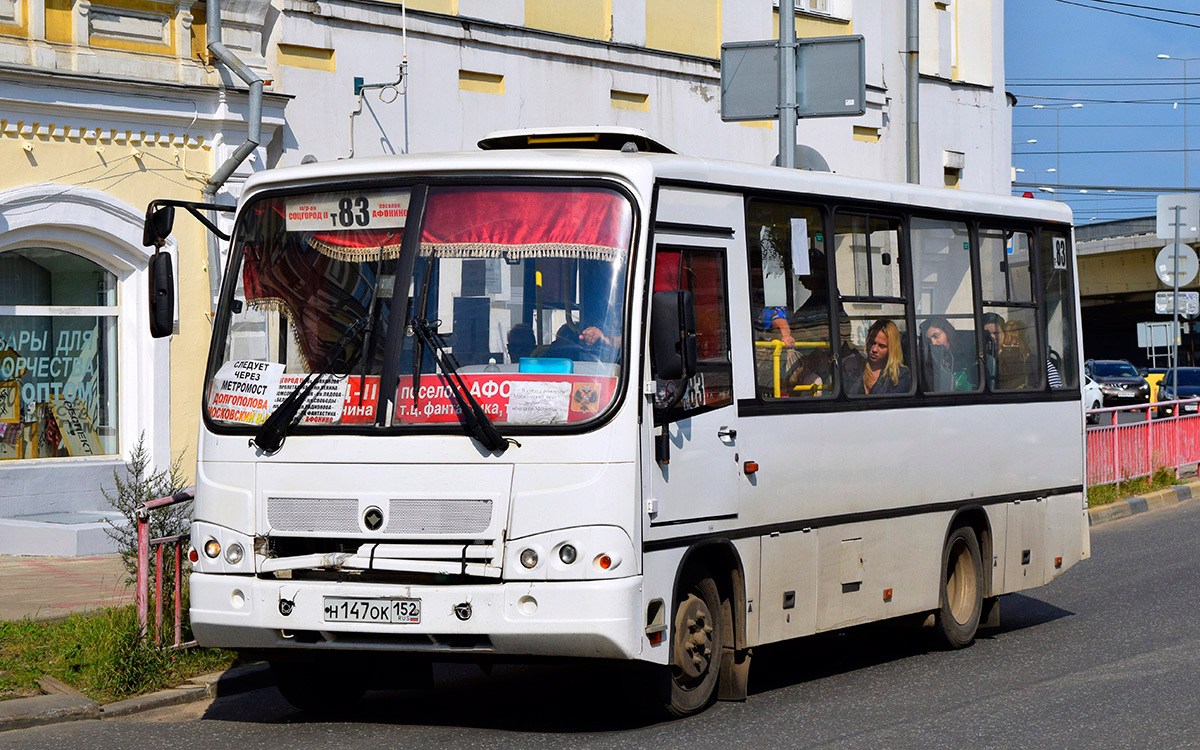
(46, 588)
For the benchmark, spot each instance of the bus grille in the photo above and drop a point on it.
(460, 517)
(438, 516)
(322, 514)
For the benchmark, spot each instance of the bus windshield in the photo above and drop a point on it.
(525, 285)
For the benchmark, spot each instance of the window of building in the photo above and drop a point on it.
(1055, 261)
(945, 305)
(876, 349)
(58, 356)
(789, 299)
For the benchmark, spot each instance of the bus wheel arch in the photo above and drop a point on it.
(719, 560)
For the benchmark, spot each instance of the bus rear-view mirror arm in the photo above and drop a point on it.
(160, 219)
(673, 338)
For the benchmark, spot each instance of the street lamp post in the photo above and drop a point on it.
(1058, 108)
(1185, 61)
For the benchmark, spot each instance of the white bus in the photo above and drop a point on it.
(553, 399)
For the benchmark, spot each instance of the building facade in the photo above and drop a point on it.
(108, 104)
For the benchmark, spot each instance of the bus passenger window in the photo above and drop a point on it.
(943, 288)
(875, 349)
(1057, 264)
(1010, 340)
(702, 272)
(789, 300)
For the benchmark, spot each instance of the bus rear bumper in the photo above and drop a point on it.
(599, 619)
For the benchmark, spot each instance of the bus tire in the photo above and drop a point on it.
(319, 686)
(961, 590)
(697, 643)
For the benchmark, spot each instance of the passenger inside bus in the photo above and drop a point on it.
(521, 342)
(884, 370)
(948, 359)
(805, 369)
(1014, 363)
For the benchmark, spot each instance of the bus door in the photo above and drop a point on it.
(697, 478)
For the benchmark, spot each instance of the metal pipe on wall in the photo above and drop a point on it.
(912, 103)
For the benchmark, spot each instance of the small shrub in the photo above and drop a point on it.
(1163, 476)
(140, 484)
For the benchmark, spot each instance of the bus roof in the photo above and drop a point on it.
(643, 169)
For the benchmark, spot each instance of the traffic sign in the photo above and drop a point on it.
(831, 79)
(1189, 216)
(1189, 303)
(1164, 264)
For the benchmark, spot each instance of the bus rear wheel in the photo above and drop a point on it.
(961, 599)
(696, 647)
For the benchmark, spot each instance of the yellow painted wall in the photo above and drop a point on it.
(58, 21)
(312, 58)
(129, 46)
(586, 18)
(811, 26)
(71, 160)
(23, 28)
(692, 27)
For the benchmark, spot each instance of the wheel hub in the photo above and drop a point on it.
(693, 638)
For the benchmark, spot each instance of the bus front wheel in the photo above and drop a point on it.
(961, 599)
(696, 647)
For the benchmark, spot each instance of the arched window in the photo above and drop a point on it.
(58, 355)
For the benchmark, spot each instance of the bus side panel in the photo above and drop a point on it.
(1025, 550)
(787, 601)
(993, 567)
(858, 563)
(658, 582)
(1065, 514)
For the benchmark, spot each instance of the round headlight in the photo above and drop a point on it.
(528, 558)
(212, 548)
(567, 554)
(233, 553)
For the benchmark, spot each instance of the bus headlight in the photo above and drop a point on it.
(529, 558)
(567, 554)
(212, 548)
(234, 553)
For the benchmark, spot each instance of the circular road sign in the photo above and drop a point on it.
(1164, 264)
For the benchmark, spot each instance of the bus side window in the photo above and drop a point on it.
(1056, 264)
(789, 300)
(945, 299)
(1010, 330)
(702, 272)
(872, 307)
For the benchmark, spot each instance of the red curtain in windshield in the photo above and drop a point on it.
(533, 222)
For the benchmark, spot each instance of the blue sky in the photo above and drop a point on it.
(1058, 53)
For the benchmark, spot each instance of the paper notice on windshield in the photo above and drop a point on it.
(324, 403)
(244, 390)
(534, 402)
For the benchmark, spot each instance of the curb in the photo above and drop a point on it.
(1132, 506)
(22, 713)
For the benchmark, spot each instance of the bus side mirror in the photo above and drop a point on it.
(162, 295)
(673, 334)
(157, 227)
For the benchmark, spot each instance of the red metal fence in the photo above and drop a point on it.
(175, 544)
(1118, 450)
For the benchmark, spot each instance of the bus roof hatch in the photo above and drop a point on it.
(594, 137)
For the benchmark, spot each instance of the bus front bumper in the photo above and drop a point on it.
(599, 619)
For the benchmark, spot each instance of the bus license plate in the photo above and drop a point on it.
(394, 611)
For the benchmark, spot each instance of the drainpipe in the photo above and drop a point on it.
(253, 136)
(912, 94)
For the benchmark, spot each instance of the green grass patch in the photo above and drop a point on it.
(1109, 493)
(99, 654)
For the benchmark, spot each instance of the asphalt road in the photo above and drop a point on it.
(1108, 656)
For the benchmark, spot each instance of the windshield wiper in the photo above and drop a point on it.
(270, 436)
(475, 420)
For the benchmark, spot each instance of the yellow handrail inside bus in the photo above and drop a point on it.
(777, 347)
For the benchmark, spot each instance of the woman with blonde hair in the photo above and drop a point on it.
(884, 370)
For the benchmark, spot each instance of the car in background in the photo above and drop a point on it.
(1119, 381)
(1189, 387)
(1093, 398)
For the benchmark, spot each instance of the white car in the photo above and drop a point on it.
(1093, 397)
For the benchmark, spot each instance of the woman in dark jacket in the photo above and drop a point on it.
(884, 370)
(947, 357)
